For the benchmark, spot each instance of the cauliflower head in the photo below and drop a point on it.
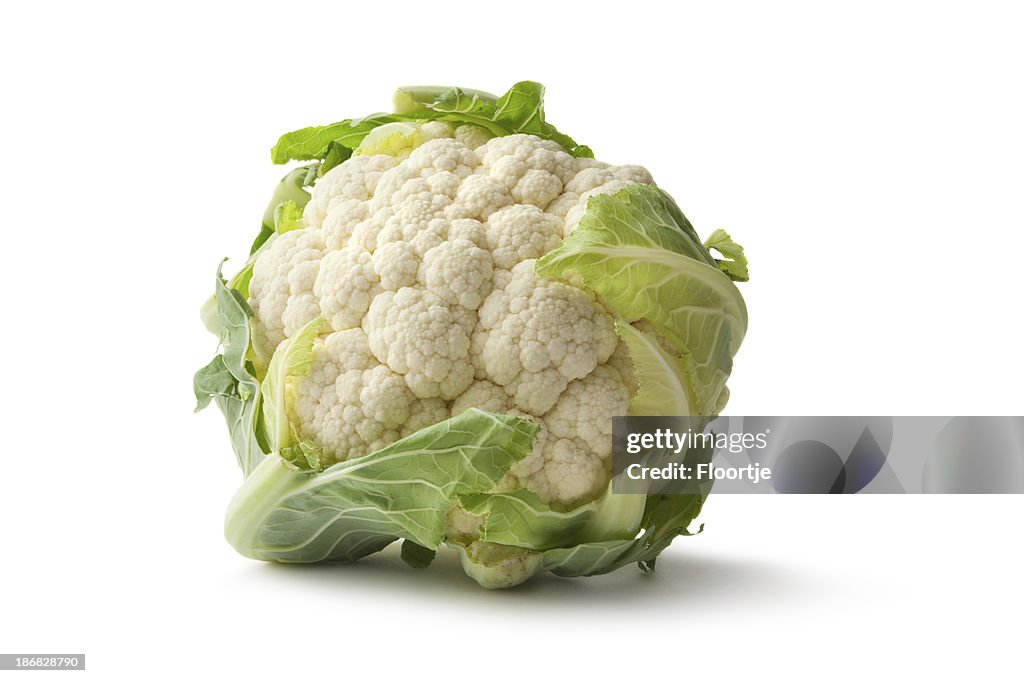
(422, 266)
(437, 322)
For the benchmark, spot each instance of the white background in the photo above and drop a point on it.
(868, 157)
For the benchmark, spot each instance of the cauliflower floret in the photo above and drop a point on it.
(472, 136)
(443, 155)
(415, 334)
(501, 278)
(482, 195)
(365, 232)
(571, 474)
(341, 221)
(349, 404)
(571, 463)
(532, 172)
(632, 173)
(536, 335)
(623, 364)
(346, 284)
(426, 412)
(468, 229)
(537, 391)
(593, 177)
(538, 188)
(561, 472)
(596, 174)
(355, 179)
(459, 272)
(434, 130)
(444, 182)
(520, 232)
(588, 179)
(511, 157)
(586, 408)
(561, 206)
(465, 318)
(416, 226)
(281, 290)
(397, 264)
(483, 395)
(583, 163)
(419, 211)
(446, 158)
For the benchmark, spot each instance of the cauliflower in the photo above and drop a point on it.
(454, 280)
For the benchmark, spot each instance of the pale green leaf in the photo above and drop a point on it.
(291, 359)
(735, 262)
(229, 380)
(359, 506)
(639, 253)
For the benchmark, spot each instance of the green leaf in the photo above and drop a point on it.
(520, 110)
(214, 380)
(412, 99)
(502, 566)
(664, 517)
(292, 359)
(265, 233)
(291, 188)
(617, 516)
(661, 375)
(335, 154)
(287, 217)
(228, 380)
(416, 556)
(522, 519)
(591, 559)
(359, 506)
(519, 518)
(735, 262)
(639, 253)
(313, 142)
(301, 454)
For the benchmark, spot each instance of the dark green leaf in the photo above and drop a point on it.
(416, 556)
(335, 154)
(265, 233)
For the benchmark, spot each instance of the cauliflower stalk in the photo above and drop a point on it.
(436, 325)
